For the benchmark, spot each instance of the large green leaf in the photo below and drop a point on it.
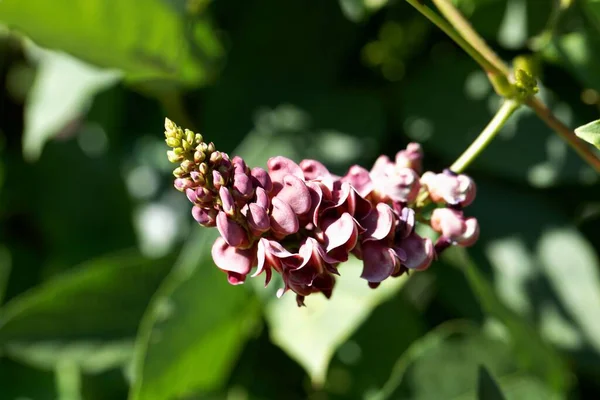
(590, 133)
(487, 387)
(543, 268)
(312, 334)
(88, 316)
(444, 364)
(148, 40)
(193, 330)
(534, 354)
(63, 77)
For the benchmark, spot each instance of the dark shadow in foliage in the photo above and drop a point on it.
(487, 388)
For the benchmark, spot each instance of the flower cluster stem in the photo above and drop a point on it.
(486, 136)
(463, 34)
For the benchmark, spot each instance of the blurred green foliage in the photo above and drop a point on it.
(107, 290)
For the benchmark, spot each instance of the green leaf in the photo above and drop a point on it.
(194, 328)
(20, 381)
(532, 352)
(590, 133)
(88, 316)
(147, 40)
(315, 332)
(532, 248)
(487, 388)
(444, 364)
(63, 77)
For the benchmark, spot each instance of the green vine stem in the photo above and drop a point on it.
(499, 72)
(486, 136)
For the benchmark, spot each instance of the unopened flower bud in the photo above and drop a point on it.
(170, 128)
(173, 142)
(179, 151)
(203, 168)
(199, 157)
(198, 139)
(215, 157)
(187, 165)
(173, 157)
(211, 147)
(189, 136)
(183, 183)
(218, 180)
(204, 217)
(179, 172)
(262, 178)
(227, 201)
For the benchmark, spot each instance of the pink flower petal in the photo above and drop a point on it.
(242, 184)
(262, 199)
(295, 193)
(236, 262)
(227, 200)
(341, 232)
(283, 219)
(360, 180)
(262, 179)
(378, 223)
(313, 169)
(419, 252)
(450, 223)
(231, 231)
(378, 261)
(257, 218)
(281, 166)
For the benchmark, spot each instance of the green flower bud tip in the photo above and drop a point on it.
(170, 128)
(179, 172)
(173, 157)
(173, 142)
(189, 137)
(187, 165)
(186, 145)
(199, 157)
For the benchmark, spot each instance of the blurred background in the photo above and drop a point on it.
(107, 290)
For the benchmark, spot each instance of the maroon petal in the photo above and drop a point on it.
(283, 219)
(342, 232)
(378, 261)
(262, 178)
(296, 194)
(236, 262)
(279, 167)
(360, 180)
(257, 218)
(471, 234)
(316, 194)
(419, 252)
(378, 223)
(231, 231)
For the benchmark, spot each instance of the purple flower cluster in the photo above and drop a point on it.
(302, 222)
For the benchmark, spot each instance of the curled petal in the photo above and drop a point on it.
(379, 261)
(316, 195)
(450, 223)
(360, 180)
(419, 251)
(283, 219)
(227, 201)
(411, 157)
(281, 166)
(381, 167)
(231, 231)
(295, 193)
(341, 232)
(406, 224)
(378, 223)
(314, 170)
(236, 262)
(471, 234)
(402, 185)
(257, 218)
(262, 179)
